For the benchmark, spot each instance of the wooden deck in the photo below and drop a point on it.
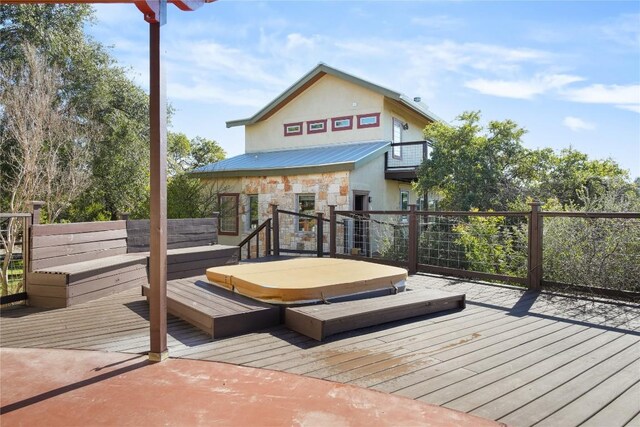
(517, 357)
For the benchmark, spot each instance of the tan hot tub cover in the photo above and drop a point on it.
(305, 279)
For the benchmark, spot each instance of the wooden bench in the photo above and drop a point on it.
(320, 321)
(79, 262)
(191, 245)
(216, 311)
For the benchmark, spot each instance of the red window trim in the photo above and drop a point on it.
(237, 208)
(374, 125)
(292, 133)
(313, 122)
(333, 123)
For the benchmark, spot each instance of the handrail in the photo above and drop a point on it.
(266, 224)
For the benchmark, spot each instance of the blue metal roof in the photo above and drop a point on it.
(333, 155)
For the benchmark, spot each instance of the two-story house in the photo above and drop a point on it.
(330, 139)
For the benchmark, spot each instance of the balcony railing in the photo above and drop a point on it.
(404, 158)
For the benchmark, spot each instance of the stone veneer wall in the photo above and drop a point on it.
(328, 188)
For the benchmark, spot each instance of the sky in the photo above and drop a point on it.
(567, 71)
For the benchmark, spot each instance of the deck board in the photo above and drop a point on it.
(513, 356)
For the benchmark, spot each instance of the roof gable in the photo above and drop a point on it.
(316, 74)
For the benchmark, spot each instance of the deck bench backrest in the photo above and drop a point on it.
(53, 245)
(181, 233)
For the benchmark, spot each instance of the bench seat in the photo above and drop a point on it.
(69, 284)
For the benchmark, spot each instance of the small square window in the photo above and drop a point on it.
(291, 129)
(317, 126)
(342, 123)
(368, 120)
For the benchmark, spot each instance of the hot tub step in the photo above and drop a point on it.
(320, 321)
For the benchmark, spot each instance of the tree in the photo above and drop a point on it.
(101, 95)
(188, 197)
(474, 167)
(471, 168)
(43, 146)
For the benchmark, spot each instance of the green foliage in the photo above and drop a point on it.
(188, 197)
(597, 252)
(470, 167)
(489, 168)
(101, 96)
(492, 246)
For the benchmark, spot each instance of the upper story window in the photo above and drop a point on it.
(342, 123)
(291, 129)
(368, 120)
(317, 126)
(396, 150)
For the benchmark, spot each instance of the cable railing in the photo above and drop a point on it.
(590, 252)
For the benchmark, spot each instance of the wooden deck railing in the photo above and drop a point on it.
(255, 234)
(510, 250)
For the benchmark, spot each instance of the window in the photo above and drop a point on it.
(317, 126)
(306, 204)
(368, 120)
(291, 129)
(228, 220)
(342, 123)
(396, 150)
(253, 212)
(404, 200)
(404, 204)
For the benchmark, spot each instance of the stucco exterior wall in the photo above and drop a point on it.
(415, 123)
(328, 97)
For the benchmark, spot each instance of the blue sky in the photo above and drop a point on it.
(567, 71)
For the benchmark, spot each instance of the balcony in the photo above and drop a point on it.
(404, 158)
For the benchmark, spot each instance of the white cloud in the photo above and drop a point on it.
(577, 124)
(438, 22)
(522, 89)
(624, 30)
(630, 107)
(626, 97)
(605, 94)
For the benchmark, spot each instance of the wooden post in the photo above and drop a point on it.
(276, 230)
(332, 231)
(124, 216)
(534, 276)
(36, 206)
(158, 180)
(267, 238)
(412, 250)
(320, 234)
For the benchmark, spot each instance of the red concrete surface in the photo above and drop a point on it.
(85, 388)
